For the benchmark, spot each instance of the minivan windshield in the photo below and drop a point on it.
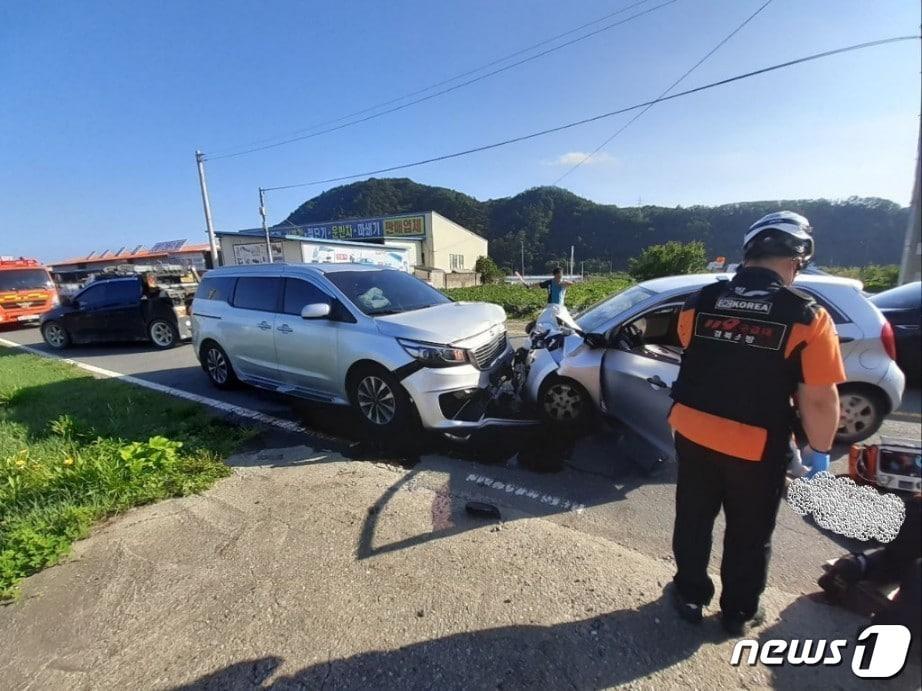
(385, 292)
(24, 279)
(609, 308)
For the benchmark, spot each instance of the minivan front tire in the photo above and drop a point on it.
(382, 404)
(218, 366)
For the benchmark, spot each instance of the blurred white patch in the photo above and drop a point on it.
(839, 505)
(572, 158)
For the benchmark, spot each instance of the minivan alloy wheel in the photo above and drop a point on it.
(216, 364)
(376, 400)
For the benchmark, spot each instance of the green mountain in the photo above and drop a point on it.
(547, 220)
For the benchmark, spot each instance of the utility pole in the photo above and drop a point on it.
(209, 226)
(523, 255)
(910, 269)
(262, 212)
(572, 261)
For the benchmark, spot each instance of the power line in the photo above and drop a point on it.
(667, 90)
(436, 85)
(602, 116)
(442, 92)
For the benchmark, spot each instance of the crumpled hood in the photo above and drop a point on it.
(444, 324)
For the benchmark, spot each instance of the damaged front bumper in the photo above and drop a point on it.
(463, 399)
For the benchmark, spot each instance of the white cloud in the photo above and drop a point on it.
(571, 158)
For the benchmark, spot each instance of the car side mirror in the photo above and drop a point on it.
(317, 310)
(596, 340)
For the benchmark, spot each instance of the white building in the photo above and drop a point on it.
(428, 240)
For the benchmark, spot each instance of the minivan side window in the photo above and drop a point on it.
(299, 293)
(257, 293)
(216, 288)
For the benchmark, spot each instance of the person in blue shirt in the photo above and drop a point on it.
(556, 288)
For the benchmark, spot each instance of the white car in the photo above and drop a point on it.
(629, 364)
(377, 339)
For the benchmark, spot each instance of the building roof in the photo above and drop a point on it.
(259, 233)
(142, 253)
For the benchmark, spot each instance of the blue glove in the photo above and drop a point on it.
(815, 460)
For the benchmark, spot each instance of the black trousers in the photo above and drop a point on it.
(749, 493)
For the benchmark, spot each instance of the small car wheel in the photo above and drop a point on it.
(218, 366)
(563, 401)
(163, 334)
(55, 335)
(381, 402)
(861, 413)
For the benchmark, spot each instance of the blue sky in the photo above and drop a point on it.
(106, 102)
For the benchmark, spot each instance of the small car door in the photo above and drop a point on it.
(638, 371)
(121, 312)
(306, 349)
(86, 321)
(251, 322)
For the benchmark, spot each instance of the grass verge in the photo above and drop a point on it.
(75, 449)
(524, 303)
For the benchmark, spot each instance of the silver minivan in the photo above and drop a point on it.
(380, 340)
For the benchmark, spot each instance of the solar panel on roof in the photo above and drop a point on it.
(168, 246)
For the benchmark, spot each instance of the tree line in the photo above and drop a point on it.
(546, 221)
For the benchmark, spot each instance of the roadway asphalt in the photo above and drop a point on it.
(593, 484)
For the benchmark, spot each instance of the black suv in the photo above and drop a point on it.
(118, 308)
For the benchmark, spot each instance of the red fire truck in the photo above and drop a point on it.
(26, 291)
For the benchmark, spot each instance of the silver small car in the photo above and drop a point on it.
(380, 340)
(627, 368)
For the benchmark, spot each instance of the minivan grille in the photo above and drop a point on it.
(485, 355)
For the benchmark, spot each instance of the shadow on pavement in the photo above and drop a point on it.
(602, 651)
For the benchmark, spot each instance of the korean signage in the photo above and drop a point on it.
(255, 253)
(405, 227)
(361, 229)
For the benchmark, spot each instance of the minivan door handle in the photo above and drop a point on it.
(264, 325)
(845, 339)
(285, 329)
(657, 382)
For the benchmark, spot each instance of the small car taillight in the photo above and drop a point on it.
(888, 340)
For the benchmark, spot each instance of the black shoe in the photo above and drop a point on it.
(737, 624)
(689, 611)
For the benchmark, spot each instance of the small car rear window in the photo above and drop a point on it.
(257, 293)
(216, 288)
(123, 292)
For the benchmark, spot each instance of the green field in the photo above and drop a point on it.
(522, 302)
(75, 449)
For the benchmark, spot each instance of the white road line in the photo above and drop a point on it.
(281, 423)
(525, 492)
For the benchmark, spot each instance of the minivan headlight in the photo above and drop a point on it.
(433, 355)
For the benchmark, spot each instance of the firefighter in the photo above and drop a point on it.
(750, 345)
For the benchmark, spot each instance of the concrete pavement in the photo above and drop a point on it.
(310, 570)
(305, 501)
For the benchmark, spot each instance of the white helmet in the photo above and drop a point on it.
(780, 234)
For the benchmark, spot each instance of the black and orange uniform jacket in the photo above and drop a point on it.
(748, 343)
